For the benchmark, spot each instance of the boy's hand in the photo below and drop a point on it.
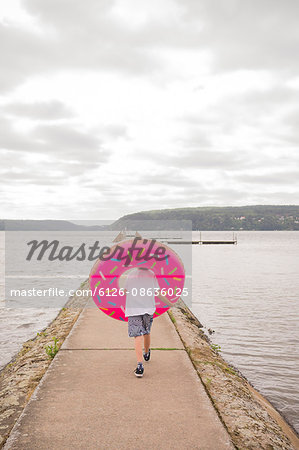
(94, 267)
(164, 299)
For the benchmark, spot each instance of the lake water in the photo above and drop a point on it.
(18, 325)
(248, 293)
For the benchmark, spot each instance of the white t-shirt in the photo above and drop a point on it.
(140, 299)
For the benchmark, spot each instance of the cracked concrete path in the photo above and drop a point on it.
(90, 399)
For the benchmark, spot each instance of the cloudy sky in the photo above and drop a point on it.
(112, 107)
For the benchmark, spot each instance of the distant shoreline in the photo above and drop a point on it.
(204, 218)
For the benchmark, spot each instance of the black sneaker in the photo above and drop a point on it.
(147, 356)
(139, 371)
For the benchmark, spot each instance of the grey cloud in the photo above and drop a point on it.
(203, 120)
(52, 172)
(116, 131)
(51, 110)
(220, 196)
(9, 158)
(98, 21)
(290, 131)
(66, 152)
(255, 34)
(171, 187)
(30, 177)
(10, 139)
(252, 34)
(198, 138)
(290, 178)
(66, 140)
(270, 115)
(166, 178)
(69, 168)
(22, 53)
(289, 197)
(276, 95)
(292, 118)
(250, 108)
(196, 196)
(256, 104)
(73, 37)
(211, 159)
(62, 141)
(201, 155)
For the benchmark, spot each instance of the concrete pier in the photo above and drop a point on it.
(90, 399)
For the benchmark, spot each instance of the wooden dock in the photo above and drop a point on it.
(219, 242)
(201, 241)
(179, 240)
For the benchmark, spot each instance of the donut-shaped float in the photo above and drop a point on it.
(107, 272)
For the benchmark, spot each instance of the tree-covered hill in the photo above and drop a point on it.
(44, 225)
(256, 217)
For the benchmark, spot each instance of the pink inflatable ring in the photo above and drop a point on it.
(106, 274)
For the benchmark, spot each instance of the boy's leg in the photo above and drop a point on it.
(147, 342)
(138, 348)
(148, 321)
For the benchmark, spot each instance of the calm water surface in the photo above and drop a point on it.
(249, 294)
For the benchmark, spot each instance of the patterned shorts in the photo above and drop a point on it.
(140, 325)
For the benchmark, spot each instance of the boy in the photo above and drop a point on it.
(141, 286)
